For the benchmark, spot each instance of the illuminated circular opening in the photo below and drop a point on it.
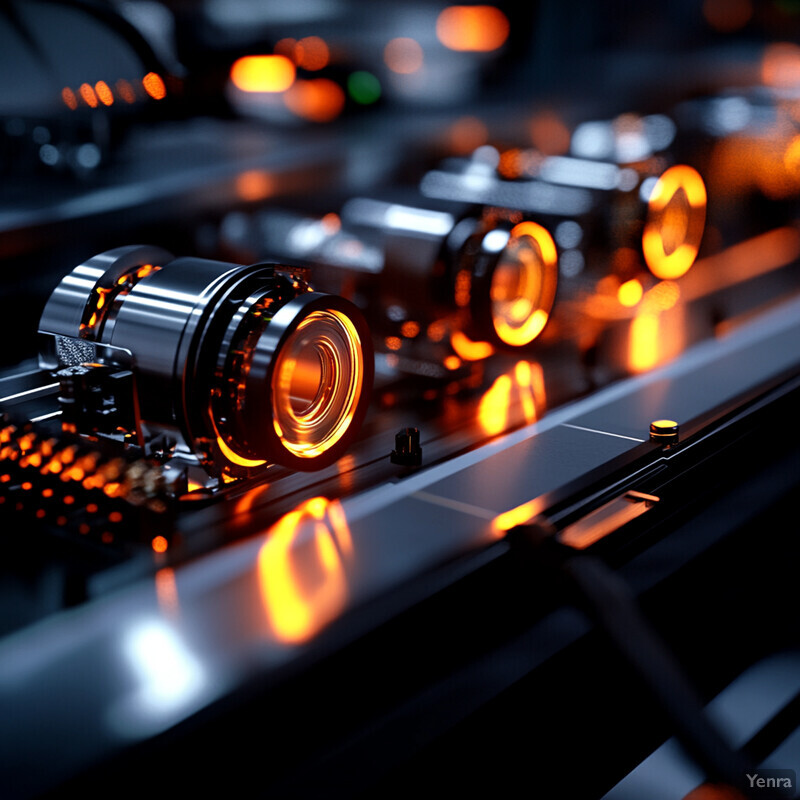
(676, 218)
(317, 383)
(523, 285)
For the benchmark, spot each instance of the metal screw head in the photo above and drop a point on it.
(407, 451)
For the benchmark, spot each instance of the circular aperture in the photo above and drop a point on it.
(523, 285)
(317, 382)
(676, 217)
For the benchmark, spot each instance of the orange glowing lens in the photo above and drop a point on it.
(263, 73)
(316, 383)
(523, 287)
(676, 218)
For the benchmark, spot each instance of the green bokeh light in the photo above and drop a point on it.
(364, 87)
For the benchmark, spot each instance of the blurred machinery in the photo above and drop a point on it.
(492, 435)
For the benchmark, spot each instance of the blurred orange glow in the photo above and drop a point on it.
(254, 185)
(68, 96)
(791, 158)
(311, 53)
(521, 390)
(154, 86)
(159, 544)
(472, 28)
(403, 55)
(393, 342)
(643, 345)
(125, 91)
(524, 285)
(285, 47)
(675, 222)
(88, 95)
(516, 516)
(469, 350)
(437, 331)
(409, 329)
(104, 93)
(549, 134)
(466, 134)
(263, 73)
(301, 569)
(493, 408)
(510, 165)
(663, 296)
(463, 286)
(167, 591)
(727, 15)
(318, 100)
(630, 293)
(452, 362)
(780, 65)
(331, 223)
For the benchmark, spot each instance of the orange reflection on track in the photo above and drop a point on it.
(515, 397)
(301, 569)
(504, 522)
(469, 350)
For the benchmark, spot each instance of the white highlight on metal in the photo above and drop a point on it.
(29, 392)
(46, 416)
(605, 433)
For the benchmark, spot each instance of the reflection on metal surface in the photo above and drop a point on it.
(675, 222)
(301, 569)
(168, 675)
(167, 592)
(504, 522)
(469, 350)
(514, 398)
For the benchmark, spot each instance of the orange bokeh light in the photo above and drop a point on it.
(125, 91)
(317, 100)
(630, 293)
(472, 28)
(274, 73)
(311, 53)
(69, 98)
(154, 86)
(159, 544)
(88, 95)
(104, 93)
(468, 349)
(780, 65)
(403, 55)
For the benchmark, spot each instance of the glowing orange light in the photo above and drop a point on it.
(437, 331)
(27, 486)
(675, 222)
(69, 98)
(393, 342)
(285, 47)
(115, 516)
(47, 492)
(643, 347)
(630, 293)
(549, 133)
(463, 286)
(523, 287)
(88, 95)
(469, 350)
(297, 601)
(494, 405)
(154, 86)
(780, 65)
(452, 362)
(403, 55)
(727, 15)
(663, 296)
(126, 91)
(318, 100)
(472, 28)
(409, 329)
(331, 223)
(311, 53)
(104, 94)
(83, 529)
(167, 591)
(273, 73)
(466, 134)
(159, 544)
(254, 185)
(106, 537)
(40, 513)
(516, 516)
(111, 489)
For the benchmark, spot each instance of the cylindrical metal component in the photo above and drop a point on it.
(240, 366)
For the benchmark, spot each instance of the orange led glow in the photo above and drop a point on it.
(83, 529)
(466, 134)
(494, 405)
(254, 185)
(643, 347)
(663, 296)
(126, 91)
(159, 544)
(549, 133)
(311, 53)
(409, 329)
(515, 397)
(523, 287)
(403, 55)
(301, 569)
(167, 592)
(47, 492)
(40, 513)
(780, 65)
(452, 362)
(69, 98)
(472, 28)
(463, 286)
(675, 222)
(630, 293)
(88, 95)
(273, 73)
(393, 342)
(285, 47)
(104, 94)
(115, 516)
(27, 486)
(235, 458)
(469, 350)
(317, 100)
(331, 223)
(437, 331)
(154, 86)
